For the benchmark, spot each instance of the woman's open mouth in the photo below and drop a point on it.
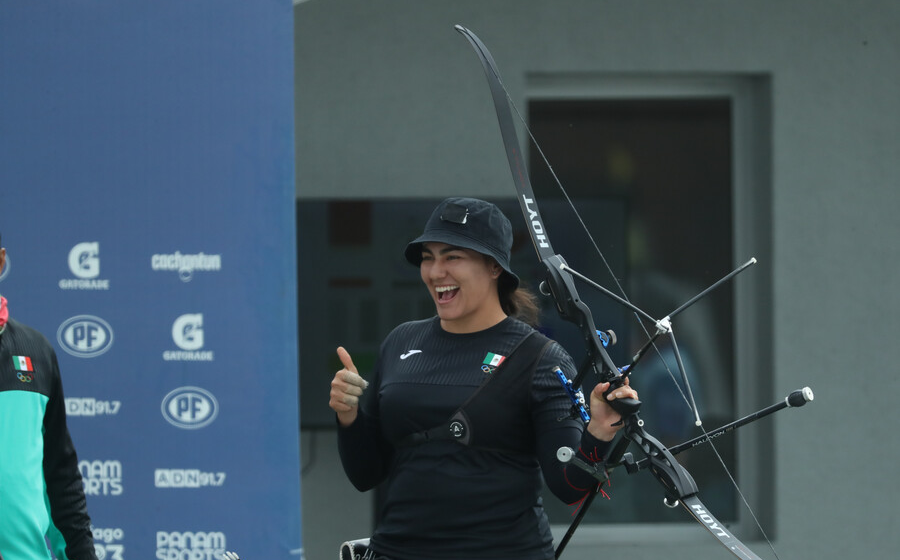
(446, 293)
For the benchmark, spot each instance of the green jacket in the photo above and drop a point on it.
(41, 491)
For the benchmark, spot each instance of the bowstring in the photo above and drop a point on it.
(593, 242)
(621, 289)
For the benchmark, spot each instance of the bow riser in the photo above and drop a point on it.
(571, 308)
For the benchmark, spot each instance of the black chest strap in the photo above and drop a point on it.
(497, 415)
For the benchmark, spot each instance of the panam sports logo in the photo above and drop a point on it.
(84, 263)
(187, 333)
(85, 336)
(186, 264)
(178, 545)
(190, 408)
(101, 478)
(108, 543)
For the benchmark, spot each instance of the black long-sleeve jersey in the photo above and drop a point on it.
(444, 500)
(38, 464)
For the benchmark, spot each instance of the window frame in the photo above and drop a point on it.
(750, 96)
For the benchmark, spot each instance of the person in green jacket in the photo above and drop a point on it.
(43, 510)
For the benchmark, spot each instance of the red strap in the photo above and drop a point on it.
(4, 312)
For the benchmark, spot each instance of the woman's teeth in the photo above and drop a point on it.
(446, 292)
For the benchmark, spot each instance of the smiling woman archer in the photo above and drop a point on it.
(465, 413)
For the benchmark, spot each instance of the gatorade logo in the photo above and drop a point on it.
(187, 333)
(84, 260)
(84, 263)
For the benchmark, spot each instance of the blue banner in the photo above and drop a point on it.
(146, 183)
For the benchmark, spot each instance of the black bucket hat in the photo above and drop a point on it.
(469, 223)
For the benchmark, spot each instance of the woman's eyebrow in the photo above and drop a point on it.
(445, 250)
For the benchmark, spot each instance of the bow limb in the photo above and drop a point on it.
(699, 511)
(561, 285)
(511, 143)
(679, 485)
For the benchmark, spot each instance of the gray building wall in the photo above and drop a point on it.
(392, 103)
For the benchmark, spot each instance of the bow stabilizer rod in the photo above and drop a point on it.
(796, 399)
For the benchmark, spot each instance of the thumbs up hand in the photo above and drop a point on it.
(346, 388)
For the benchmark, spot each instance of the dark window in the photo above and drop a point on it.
(666, 163)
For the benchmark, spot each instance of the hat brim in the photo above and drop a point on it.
(413, 251)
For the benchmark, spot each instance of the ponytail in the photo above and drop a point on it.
(520, 303)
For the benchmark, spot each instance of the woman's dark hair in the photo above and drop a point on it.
(520, 302)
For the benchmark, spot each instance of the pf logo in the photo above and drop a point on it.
(190, 408)
(187, 331)
(85, 336)
(84, 260)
